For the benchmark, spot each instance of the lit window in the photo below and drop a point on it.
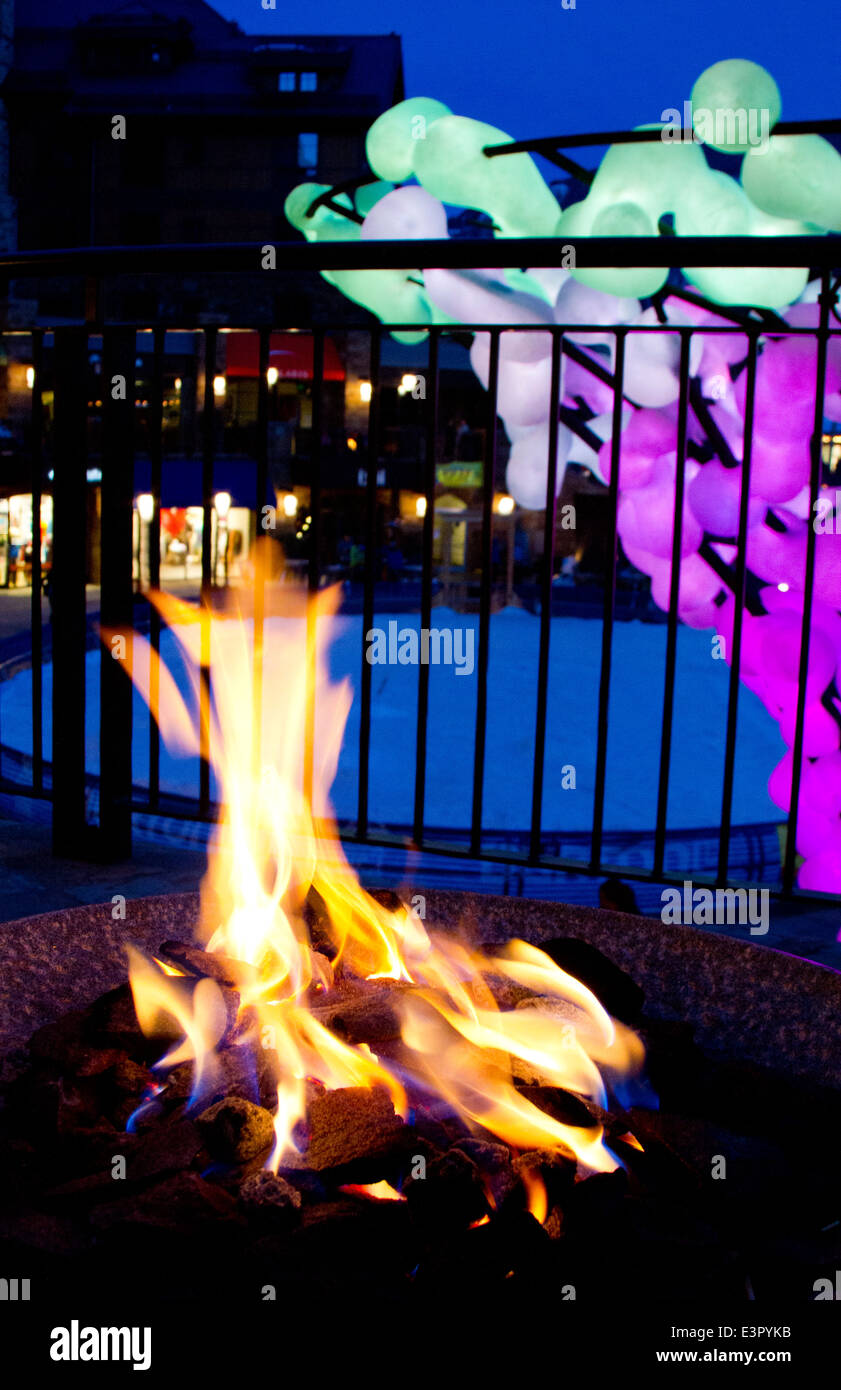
(286, 82)
(307, 150)
(308, 82)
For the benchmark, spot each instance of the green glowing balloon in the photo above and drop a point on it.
(587, 218)
(393, 139)
(324, 225)
(714, 205)
(797, 176)
(389, 294)
(622, 219)
(451, 165)
(735, 104)
(768, 287)
(651, 174)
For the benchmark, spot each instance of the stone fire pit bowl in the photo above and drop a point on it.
(745, 1001)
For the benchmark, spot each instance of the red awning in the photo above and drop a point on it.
(290, 353)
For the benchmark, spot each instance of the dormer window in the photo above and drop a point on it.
(297, 82)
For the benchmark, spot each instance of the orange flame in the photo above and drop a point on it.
(274, 844)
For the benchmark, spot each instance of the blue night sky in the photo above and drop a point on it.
(537, 69)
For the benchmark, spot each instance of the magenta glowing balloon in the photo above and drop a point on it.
(778, 557)
(821, 734)
(714, 497)
(697, 587)
(821, 873)
(646, 515)
(828, 568)
(780, 654)
(648, 434)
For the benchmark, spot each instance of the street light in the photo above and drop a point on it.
(420, 506)
(365, 391)
(272, 375)
(220, 386)
(290, 505)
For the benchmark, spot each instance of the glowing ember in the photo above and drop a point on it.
(457, 1045)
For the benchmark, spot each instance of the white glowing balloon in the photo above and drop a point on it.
(651, 363)
(523, 388)
(527, 470)
(578, 303)
(406, 214)
(469, 297)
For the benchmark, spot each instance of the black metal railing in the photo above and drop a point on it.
(65, 781)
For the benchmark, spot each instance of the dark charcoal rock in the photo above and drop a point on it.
(360, 1011)
(241, 1072)
(111, 1021)
(270, 1202)
(494, 1164)
(612, 986)
(235, 1129)
(556, 1171)
(353, 1133)
(510, 1244)
(184, 1203)
(561, 1105)
(368, 1240)
(92, 1150)
(61, 1043)
(451, 1195)
(166, 1148)
(597, 1206)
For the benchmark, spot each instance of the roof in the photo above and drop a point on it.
(220, 66)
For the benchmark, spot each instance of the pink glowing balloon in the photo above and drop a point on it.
(714, 497)
(778, 557)
(828, 568)
(646, 515)
(698, 586)
(648, 434)
(779, 468)
(780, 654)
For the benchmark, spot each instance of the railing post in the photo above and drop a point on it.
(68, 615)
(116, 605)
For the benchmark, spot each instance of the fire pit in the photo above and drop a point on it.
(104, 1161)
(302, 1083)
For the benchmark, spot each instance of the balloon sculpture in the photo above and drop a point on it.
(788, 185)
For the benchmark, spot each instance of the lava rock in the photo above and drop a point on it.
(185, 1203)
(210, 964)
(270, 1202)
(450, 1196)
(235, 1129)
(353, 1132)
(61, 1043)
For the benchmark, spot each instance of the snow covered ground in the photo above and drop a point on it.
(635, 722)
